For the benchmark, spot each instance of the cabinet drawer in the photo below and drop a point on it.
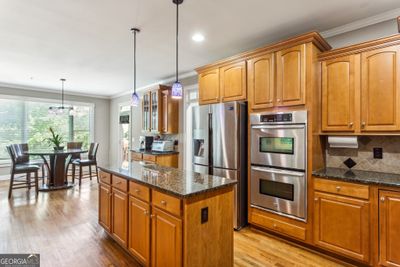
(120, 183)
(140, 191)
(147, 157)
(105, 177)
(166, 202)
(136, 156)
(258, 218)
(342, 188)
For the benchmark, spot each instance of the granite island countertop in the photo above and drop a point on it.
(180, 183)
(356, 176)
(155, 153)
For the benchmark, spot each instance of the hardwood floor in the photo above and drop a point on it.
(62, 226)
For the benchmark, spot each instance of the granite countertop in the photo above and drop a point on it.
(155, 153)
(180, 183)
(364, 177)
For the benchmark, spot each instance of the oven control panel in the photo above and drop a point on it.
(281, 117)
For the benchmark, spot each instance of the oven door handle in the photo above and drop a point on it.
(283, 172)
(278, 126)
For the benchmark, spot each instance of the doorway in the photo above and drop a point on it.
(124, 135)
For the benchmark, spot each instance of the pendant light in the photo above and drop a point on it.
(59, 110)
(135, 97)
(177, 88)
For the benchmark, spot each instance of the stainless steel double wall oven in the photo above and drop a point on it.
(279, 163)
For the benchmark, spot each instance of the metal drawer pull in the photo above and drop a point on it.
(118, 182)
(146, 212)
(163, 202)
(338, 188)
(383, 199)
(137, 191)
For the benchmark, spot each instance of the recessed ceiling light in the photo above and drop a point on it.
(198, 37)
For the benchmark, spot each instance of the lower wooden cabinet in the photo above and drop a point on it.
(341, 224)
(105, 206)
(119, 217)
(166, 248)
(139, 229)
(168, 160)
(389, 228)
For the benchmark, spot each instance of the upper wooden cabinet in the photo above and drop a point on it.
(380, 92)
(233, 82)
(389, 228)
(159, 111)
(209, 87)
(340, 77)
(291, 76)
(271, 76)
(261, 78)
(360, 87)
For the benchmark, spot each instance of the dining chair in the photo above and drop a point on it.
(21, 168)
(72, 145)
(89, 162)
(22, 158)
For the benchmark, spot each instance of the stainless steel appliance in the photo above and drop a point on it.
(220, 148)
(278, 163)
(163, 146)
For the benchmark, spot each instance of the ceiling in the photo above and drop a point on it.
(89, 43)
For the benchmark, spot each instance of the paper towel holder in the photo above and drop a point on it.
(343, 142)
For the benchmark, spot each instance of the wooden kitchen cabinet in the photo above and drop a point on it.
(119, 216)
(146, 115)
(389, 228)
(291, 76)
(105, 206)
(167, 160)
(340, 80)
(233, 82)
(209, 87)
(170, 113)
(380, 93)
(166, 245)
(261, 81)
(341, 224)
(139, 230)
(156, 109)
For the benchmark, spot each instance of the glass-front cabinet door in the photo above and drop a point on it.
(155, 109)
(146, 112)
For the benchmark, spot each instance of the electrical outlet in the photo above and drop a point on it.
(378, 153)
(204, 215)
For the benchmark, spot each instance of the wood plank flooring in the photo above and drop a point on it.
(62, 226)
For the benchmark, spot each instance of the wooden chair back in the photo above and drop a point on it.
(93, 151)
(75, 145)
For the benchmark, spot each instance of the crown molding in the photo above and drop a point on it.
(358, 24)
(168, 80)
(52, 91)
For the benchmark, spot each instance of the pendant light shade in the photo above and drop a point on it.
(60, 110)
(177, 88)
(135, 100)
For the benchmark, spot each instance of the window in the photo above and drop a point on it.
(28, 121)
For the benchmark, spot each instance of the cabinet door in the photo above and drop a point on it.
(170, 113)
(105, 206)
(155, 121)
(166, 245)
(146, 112)
(291, 76)
(120, 216)
(261, 79)
(233, 82)
(341, 225)
(339, 80)
(209, 87)
(380, 89)
(139, 229)
(389, 228)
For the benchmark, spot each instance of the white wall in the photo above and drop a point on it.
(101, 117)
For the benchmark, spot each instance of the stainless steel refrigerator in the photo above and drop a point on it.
(220, 148)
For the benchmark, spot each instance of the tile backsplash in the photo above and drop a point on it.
(364, 157)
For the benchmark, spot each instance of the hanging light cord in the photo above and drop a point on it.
(62, 93)
(134, 61)
(177, 30)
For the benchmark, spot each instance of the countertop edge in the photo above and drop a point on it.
(163, 190)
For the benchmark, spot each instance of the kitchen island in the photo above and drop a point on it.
(168, 217)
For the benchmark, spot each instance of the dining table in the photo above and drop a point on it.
(56, 163)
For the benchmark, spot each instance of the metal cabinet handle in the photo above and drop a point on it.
(146, 212)
(338, 188)
(163, 202)
(118, 182)
(152, 216)
(351, 124)
(316, 199)
(382, 199)
(274, 225)
(278, 100)
(137, 191)
(363, 124)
